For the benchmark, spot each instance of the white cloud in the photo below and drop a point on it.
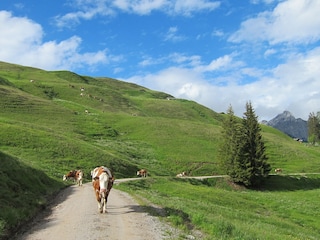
(88, 9)
(21, 42)
(193, 61)
(216, 64)
(292, 21)
(181, 7)
(147, 62)
(269, 52)
(292, 86)
(263, 1)
(189, 90)
(169, 80)
(175, 58)
(217, 33)
(172, 35)
(16, 32)
(188, 7)
(141, 7)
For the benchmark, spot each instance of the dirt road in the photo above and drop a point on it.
(74, 215)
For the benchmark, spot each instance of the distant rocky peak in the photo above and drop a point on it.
(288, 124)
(286, 116)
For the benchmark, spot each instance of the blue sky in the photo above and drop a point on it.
(217, 53)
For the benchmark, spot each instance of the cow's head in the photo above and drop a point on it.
(69, 175)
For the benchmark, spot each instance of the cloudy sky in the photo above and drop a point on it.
(217, 53)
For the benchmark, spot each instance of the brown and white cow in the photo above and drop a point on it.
(278, 170)
(76, 175)
(142, 173)
(183, 174)
(102, 182)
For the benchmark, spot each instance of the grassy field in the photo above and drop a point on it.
(48, 126)
(286, 208)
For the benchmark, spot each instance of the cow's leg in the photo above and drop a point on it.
(100, 207)
(99, 200)
(100, 203)
(103, 203)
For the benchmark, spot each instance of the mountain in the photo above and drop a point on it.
(287, 123)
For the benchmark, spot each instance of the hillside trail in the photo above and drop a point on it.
(74, 215)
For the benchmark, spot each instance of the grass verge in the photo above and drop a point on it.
(286, 208)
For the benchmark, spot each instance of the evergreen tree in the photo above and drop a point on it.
(254, 165)
(242, 149)
(229, 146)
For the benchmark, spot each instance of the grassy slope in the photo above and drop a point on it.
(43, 126)
(286, 208)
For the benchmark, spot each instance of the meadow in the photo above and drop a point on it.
(221, 210)
(49, 126)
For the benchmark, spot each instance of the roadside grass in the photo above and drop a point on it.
(24, 192)
(225, 211)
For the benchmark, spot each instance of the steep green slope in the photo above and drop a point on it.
(117, 123)
(123, 121)
(23, 192)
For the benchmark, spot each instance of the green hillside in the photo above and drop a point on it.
(55, 121)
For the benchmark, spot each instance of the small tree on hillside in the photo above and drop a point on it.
(243, 150)
(254, 161)
(229, 146)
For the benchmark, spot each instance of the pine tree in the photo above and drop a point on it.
(229, 146)
(254, 161)
(242, 149)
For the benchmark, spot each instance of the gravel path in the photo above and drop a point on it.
(74, 215)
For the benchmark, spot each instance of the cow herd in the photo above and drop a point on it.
(102, 182)
(103, 179)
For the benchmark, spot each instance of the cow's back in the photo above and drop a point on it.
(99, 170)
